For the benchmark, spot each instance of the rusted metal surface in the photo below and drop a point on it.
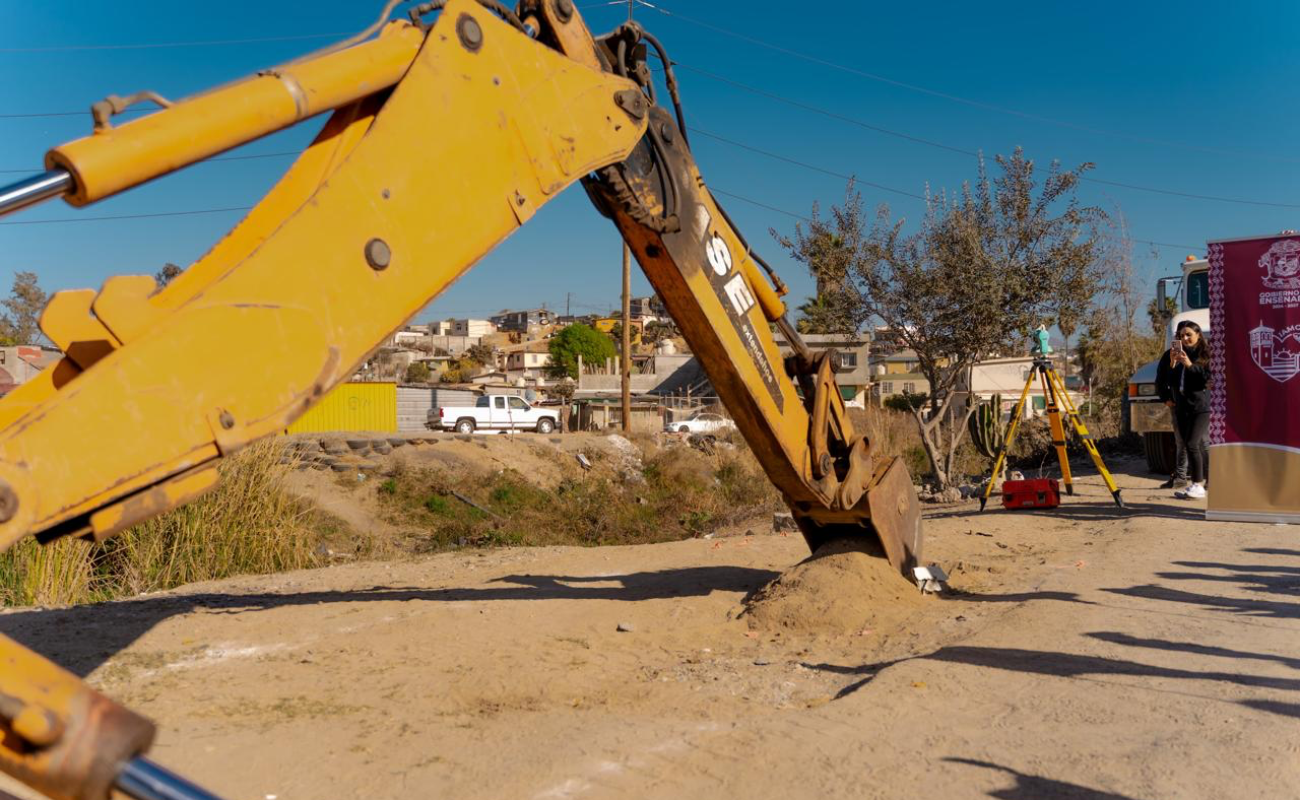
(103, 111)
(895, 514)
(60, 736)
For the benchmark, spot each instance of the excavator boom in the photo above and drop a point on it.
(444, 137)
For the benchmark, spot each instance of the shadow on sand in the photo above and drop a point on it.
(1034, 787)
(81, 638)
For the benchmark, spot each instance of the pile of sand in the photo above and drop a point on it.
(847, 586)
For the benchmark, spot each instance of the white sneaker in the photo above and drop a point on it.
(1195, 492)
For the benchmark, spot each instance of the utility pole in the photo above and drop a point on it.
(625, 362)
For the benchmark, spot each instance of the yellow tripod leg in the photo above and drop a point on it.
(1073, 413)
(1058, 428)
(1012, 424)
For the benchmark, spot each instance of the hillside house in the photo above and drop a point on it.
(20, 363)
(522, 321)
(852, 369)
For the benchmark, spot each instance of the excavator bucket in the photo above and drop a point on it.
(888, 509)
(896, 514)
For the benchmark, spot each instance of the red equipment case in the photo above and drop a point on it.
(1037, 493)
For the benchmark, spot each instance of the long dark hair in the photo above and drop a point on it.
(1200, 354)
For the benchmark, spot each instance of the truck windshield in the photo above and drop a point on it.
(1198, 290)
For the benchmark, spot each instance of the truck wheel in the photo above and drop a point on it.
(684, 429)
(465, 426)
(1160, 452)
(545, 425)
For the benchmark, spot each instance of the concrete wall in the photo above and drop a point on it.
(472, 327)
(609, 417)
(413, 406)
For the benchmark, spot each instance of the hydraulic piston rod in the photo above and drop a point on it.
(33, 190)
(145, 780)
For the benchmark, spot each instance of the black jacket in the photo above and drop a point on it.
(1190, 393)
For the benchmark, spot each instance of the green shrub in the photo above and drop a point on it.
(681, 493)
(437, 504)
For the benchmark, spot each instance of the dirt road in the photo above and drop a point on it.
(1090, 653)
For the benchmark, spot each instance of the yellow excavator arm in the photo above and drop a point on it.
(445, 136)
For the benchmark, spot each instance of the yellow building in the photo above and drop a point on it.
(606, 325)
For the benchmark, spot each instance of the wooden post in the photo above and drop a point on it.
(625, 361)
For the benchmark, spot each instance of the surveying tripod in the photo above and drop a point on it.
(1057, 398)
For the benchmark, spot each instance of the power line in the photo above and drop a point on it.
(963, 151)
(752, 202)
(162, 45)
(713, 189)
(825, 112)
(956, 98)
(779, 98)
(803, 164)
(1173, 193)
(806, 218)
(216, 42)
(196, 163)
(127, 216)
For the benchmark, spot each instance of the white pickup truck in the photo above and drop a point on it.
(494, 412)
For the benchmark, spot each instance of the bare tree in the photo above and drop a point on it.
(1114, 343)
(978, 275)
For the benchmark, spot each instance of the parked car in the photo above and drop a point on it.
(702, 422)
(494, 412)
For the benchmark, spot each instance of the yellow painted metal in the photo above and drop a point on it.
(749, 376)
(68, 323)
(771, 303)
(68, 320)
(1089, 444)
(467, 146)
(141, 506)
(112, 160)
(60, 736)
(1053, 411)
(352, 407)
(572, 36)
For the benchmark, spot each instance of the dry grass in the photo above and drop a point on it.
(248, 524)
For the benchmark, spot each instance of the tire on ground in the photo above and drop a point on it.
(1160, 451)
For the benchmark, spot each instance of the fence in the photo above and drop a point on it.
(679, 407)
(360, 407)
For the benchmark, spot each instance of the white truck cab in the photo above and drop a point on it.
(1147, 415)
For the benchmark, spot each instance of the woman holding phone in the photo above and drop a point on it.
(1184, 385)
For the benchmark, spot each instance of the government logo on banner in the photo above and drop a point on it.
(1278, 353)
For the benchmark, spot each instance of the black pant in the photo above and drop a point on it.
(1180, 450)
(1194, 427)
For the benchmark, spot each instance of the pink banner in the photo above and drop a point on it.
(1255, 362)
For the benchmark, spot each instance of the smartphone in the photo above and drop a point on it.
(1177, 349)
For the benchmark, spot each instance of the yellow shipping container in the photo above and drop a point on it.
(357, 407)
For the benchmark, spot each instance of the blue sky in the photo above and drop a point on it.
(1185, 97)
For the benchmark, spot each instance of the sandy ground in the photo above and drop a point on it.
(1087, 653)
